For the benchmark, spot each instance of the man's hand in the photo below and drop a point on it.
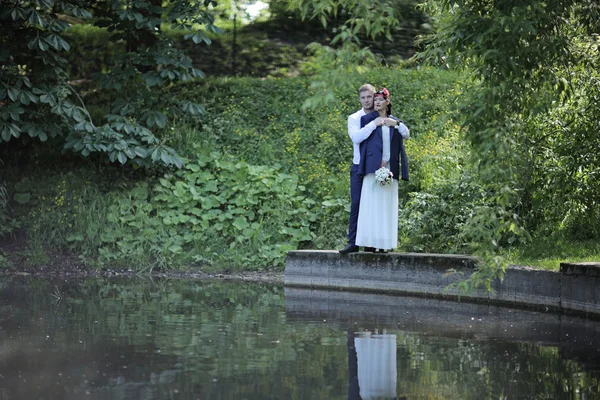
(390, 122)
(379, 121)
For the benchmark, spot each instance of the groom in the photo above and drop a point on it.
(358, 134)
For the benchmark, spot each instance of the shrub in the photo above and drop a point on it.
(262, 177)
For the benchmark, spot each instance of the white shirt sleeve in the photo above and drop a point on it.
(356, 133)
(404, 132)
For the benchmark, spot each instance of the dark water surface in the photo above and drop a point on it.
(177, 339)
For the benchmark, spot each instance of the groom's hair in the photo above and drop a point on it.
(367, 87)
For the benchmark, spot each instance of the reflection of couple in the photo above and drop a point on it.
(378, 142)
(371, 366)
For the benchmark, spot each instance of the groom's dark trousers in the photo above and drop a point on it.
(356, 182)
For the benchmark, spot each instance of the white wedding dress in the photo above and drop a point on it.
(378, 213)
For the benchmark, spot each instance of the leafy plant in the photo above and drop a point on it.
(522, 56)
(252, 128)
(38, 100)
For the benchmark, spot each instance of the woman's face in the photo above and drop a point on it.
(380, 103)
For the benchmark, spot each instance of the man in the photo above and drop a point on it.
(358, 134)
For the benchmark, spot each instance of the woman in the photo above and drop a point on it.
(378, 213)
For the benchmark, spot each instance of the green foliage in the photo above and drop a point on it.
(7, 223)
(215, 211)
(39, 102)
(560, 182)
(255, 52)
(263, 177)
(93, 42)
(526, 58)
(357, 27)
(4, 216)
(263, 120)
(443, 218)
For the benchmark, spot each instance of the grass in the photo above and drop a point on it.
(548, 252)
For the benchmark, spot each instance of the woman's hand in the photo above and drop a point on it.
(383, 164)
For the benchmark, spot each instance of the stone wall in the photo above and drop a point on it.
(576, 288)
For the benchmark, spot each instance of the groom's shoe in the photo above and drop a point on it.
(351, 248)
(370, 249)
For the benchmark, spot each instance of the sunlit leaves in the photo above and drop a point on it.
(373, 19)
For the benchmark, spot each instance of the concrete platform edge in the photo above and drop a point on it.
(573, 290)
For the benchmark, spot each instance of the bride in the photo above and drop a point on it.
(378, 213)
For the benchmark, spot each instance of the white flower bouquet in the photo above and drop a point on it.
(384, 176)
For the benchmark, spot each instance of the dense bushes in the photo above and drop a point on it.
(214, 210)
(262, 177)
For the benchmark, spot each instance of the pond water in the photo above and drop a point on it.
(180, 339)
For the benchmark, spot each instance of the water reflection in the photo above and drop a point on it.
(376, 365)
(169, 339)
(451, 350)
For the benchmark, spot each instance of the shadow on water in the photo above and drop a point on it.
(177, 339)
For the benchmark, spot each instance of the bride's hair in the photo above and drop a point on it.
(386, 95)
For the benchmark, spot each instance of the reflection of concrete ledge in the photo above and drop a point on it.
(576, 338)
(574, 289)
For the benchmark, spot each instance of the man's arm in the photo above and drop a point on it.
(404, 132)
(356, 133)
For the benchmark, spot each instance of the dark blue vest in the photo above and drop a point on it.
(371, 150)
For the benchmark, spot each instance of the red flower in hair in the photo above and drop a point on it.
(383, 92)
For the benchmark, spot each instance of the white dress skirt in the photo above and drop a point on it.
(378, 215)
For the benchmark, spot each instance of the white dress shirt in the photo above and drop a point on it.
(358, 134)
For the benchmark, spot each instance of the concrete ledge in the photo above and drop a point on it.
(576, 288)
(581, 268)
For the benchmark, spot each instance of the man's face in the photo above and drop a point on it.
(366, 99)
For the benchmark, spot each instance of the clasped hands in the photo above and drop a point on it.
(380, 121)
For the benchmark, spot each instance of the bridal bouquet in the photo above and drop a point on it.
(384, 176)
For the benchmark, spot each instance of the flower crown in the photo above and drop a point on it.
(383, 92)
